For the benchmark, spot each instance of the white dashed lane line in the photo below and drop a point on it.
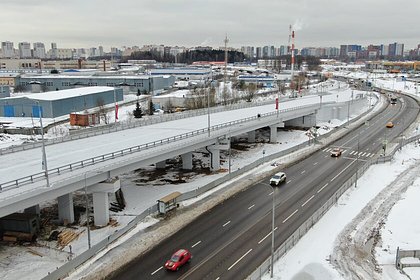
(250, 207)
(262, 240)
(322, 188)
(308, 200)
(315, 163)
(228, 222)
(243, 256)
(156, 270)
(303, 172)
(285, 220)
(196, 244)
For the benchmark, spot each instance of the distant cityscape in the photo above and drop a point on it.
(38, 50)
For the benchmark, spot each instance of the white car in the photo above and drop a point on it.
(278, 178)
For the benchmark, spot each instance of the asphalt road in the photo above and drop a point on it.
(233, 239)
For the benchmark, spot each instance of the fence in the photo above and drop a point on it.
(406, 254)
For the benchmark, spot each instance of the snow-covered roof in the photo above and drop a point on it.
(67, 93)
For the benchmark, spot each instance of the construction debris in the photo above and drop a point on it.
(66, 236)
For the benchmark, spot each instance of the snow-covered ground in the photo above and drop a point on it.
(140, 197)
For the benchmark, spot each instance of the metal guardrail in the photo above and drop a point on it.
(101, 158)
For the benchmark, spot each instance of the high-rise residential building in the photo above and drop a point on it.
(101, 51)
(39, 50)
(25, 50)
(7, 49)
(258, 52)
(248, 51)
(53, 53)
(384, 50)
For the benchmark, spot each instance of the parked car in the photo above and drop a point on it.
(278, 178)
(178, 259)
(390, 124)
(336, 152)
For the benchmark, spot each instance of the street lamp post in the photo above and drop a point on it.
(44, 154)
(208, 111)
(272, 235)
(87, 213)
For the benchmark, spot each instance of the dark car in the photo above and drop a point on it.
(178, 259)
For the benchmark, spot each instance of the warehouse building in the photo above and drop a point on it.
(130, 84)
(59, 103)
(185, 73)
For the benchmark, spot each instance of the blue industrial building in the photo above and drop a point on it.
(59, 103)
(265, 81)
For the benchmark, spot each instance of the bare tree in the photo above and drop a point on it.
(250, 91)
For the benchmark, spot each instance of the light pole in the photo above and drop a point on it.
(208, 111)
(272, 235)
(44, 155)
(87, 212)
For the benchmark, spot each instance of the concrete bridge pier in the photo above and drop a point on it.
(100, 193)
(214, 157)
(273, 131)
(251, 136)
(187, 161)
(65, 208)
(33, 210)
(161, 164)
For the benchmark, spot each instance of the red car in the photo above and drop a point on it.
(178, 259)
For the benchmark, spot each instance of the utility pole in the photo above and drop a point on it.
(226, 41)
(44, 154)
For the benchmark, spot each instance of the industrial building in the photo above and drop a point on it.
(133, 83)
(265, 81)
(185, 73)
(59, 103)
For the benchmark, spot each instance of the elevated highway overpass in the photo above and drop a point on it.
(94, 163)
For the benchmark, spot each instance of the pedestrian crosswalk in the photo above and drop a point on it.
(352, 153)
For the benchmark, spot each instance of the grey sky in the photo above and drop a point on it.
(88, 23)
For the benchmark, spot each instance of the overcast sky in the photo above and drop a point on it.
(88, 23)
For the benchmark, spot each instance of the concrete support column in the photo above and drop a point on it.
(65, 208)
(33, 210)
(100, 208)
(251, 136)
(161, 164)
(187, 161)
(214, 157)
(100, 193)
(273, 134)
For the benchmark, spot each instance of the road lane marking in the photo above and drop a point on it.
(244, 255)
(271, 193)
(196, 244)
(315, 163)
(335, 177)
(303, 172)
(250, 207)
(226, 223)
(262, 240)
(217, 278)
(288, 181)
(156, 270)
(308, 200)
(322, 188)
(324, 150)
(290, 216)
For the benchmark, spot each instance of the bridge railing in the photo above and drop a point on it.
(112, 155)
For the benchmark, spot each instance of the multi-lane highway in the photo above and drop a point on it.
(233, 239)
